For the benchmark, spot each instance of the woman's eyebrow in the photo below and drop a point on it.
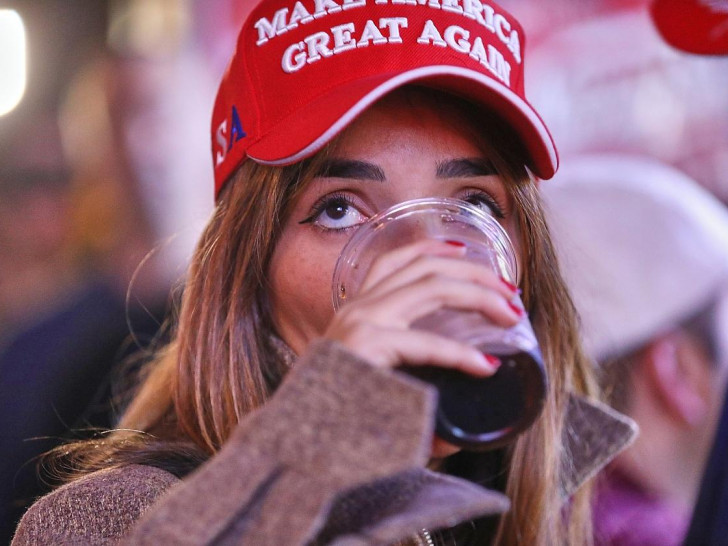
(350, 168)
(465, 168)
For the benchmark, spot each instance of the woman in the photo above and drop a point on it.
(298, 426)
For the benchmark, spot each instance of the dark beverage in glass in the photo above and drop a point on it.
(480, 413)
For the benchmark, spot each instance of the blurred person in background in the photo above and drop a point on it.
(35, 224)
(68, 252)
(73, 235)
(644, 250)
(95, 222)
(700, 27)
(607, 57)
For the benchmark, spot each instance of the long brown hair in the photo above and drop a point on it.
(221, 365)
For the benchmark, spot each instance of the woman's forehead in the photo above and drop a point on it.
(432, 114)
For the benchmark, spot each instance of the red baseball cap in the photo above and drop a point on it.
(695, 26)
(303, 70)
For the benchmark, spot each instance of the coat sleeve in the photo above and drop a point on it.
(335, 423)
(97, 509)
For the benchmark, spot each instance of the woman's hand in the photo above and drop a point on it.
(409, 283)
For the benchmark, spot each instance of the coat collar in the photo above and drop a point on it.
(593, 435)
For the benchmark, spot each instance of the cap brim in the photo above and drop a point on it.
(307, 130)
(692, 27)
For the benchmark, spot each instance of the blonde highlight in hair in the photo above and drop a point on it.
(224, 354)
(219, 367)
(537, 516)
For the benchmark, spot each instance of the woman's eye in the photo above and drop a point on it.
(336, 213)
(486, 203)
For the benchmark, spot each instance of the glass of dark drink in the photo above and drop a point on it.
(474, 413)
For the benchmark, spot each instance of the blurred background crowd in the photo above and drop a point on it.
(106, 179)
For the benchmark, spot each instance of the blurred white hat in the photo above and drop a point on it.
(641, 245)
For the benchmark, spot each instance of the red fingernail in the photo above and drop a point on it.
(455, 243)
(510, 285)
(520, 312)
(492, 360)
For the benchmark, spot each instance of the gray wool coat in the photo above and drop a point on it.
(337, 456)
